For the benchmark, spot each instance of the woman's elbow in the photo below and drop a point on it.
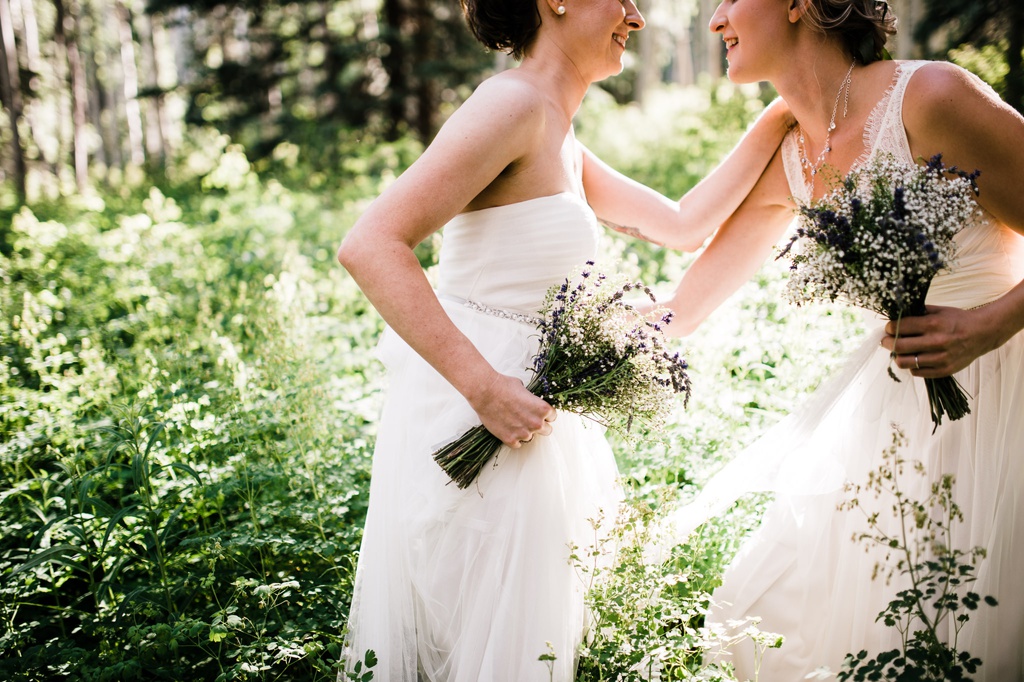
(351, 252)
(688, 242)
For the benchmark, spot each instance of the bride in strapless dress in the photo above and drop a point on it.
(477, 584)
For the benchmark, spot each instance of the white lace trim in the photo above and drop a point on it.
(798, 185)
(883, 133)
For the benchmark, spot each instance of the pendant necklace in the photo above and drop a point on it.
(843, 94)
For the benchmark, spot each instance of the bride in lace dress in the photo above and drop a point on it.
(801, 572)
(477, 584)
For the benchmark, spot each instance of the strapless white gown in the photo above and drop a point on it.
(801, 572)
(469, 585)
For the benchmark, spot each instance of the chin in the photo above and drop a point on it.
(737, 76)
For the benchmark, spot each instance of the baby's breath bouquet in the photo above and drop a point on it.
(877, 240)
(599, 357)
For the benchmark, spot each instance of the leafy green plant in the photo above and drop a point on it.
(647, 618)
(938, 575)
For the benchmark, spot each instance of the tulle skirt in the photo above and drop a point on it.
(475, 584)
(805, 575)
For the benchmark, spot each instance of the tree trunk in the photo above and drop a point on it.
(683, 72)
(713, 50)
(62, 91)
(130, 74)
(426, 89)
(1015, 73)
(647, 61)
(156, 135)
(49, 148)
(10, 89)
(396, 64)
(66, 30)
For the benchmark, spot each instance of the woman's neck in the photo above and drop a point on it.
(818, 92)
(558, 75)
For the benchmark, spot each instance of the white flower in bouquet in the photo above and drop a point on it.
(876, 241)
(599, 357)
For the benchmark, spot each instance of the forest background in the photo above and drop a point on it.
(188, 389)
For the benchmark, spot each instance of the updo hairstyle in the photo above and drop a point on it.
(503, 25)
(863, 26)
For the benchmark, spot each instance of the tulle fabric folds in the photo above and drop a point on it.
(803, 573)
(465, 585)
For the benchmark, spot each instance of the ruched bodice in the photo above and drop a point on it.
(990, 256)
(508, 256)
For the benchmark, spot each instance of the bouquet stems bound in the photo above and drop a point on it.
(598, 357)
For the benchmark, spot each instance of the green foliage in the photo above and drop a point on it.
(187, 407)
(988, 62)
(921, 548)
(647, 617)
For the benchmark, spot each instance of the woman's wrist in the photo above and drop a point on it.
(999, 321)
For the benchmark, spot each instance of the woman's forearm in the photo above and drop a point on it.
(392, 279)
(628, 207)
(714, 199)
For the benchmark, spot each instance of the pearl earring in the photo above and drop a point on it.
(561, 9)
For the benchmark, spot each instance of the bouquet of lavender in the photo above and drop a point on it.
(599, 357)
(877, 240)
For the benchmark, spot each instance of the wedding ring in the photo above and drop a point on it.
(917, 365)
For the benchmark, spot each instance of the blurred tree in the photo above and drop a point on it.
(65, 34)
(10, 93)
(947, 24)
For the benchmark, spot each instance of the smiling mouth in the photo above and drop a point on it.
(731, 42)
(620, 39)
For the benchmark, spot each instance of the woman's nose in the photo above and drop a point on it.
(634, 19)
(717, 24)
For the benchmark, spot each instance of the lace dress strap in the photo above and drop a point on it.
(798, 187)
(884, 132)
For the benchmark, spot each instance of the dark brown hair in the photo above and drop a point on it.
(503, 25)
(862, 25)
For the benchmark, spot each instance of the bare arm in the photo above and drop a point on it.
(631, 208)
(953, 113)
(483, 137)
(737, 250)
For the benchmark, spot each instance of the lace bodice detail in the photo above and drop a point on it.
(507, 256)
(883, 133)
(990, 257)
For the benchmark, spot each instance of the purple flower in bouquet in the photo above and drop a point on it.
(876, 241)
(598, 357)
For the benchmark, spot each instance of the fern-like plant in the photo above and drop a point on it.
(939, 576)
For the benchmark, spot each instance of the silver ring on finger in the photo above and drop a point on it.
(917, 363)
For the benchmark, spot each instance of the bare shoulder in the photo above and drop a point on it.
(943, 91)
(948, 109)
(504, 100)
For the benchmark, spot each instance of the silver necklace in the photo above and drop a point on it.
(844, 87)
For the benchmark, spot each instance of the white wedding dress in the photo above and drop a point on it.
(801, 572)
(476, 584)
